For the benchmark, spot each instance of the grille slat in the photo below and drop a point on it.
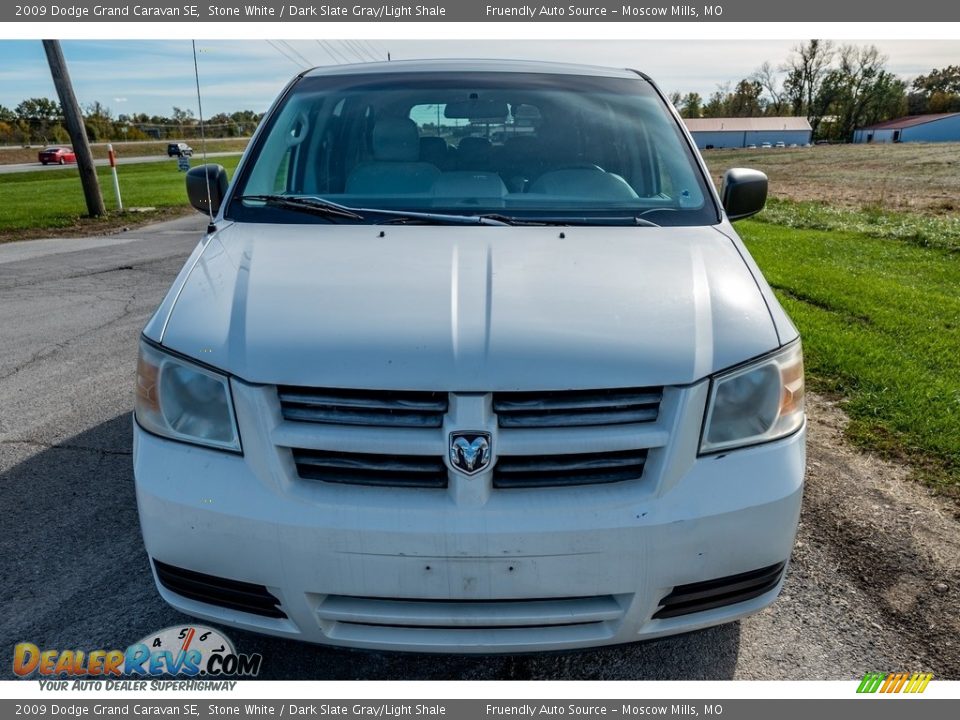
(720, 592)
(568, 470)
(509, 402)
(408, 613)
(325, 399)
(414, 471)
(576, 408)
(223, 592)
(386, 408)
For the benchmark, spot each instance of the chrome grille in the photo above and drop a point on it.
(566, 470)
(382, 408)
(413, 471)
(576, 408)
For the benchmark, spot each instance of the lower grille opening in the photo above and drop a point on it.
(460, 614)
(457, 624)
(412, 471)
(710, 594)
(565, 470)
(213, 590)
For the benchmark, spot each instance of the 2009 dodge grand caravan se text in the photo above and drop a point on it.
(470, 360)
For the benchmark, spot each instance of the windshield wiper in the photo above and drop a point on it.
(313, 205)
(404, 217)
(569, 221)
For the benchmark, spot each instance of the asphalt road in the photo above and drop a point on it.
(74, 573)
(102, 162)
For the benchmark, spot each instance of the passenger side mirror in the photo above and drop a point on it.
(197, 187)
(744, 192)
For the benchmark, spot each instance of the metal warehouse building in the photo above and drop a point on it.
(743, 132)
(940, 127)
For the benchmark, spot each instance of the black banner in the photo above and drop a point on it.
(275, 11)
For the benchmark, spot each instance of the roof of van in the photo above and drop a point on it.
(447, 65)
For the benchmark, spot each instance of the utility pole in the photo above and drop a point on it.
(78, 133)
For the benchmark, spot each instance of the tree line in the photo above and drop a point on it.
(838, 88)
(40, 121)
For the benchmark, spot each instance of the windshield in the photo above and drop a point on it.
(516, 146)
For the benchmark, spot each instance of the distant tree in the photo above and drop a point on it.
(181, 117)
(859, 91)
(746, 101)
(938, 91)
(36, 116)
(944, 81)
(98, 120)
(675, 99)
(719, 103)
(246, 120)
(776, 102)
(691, 105)
(806, 69)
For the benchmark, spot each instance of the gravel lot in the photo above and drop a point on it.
(874, 584)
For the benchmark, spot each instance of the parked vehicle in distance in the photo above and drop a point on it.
(179, 149)
(766, 145)
(419, 390)
(56, 155)
(780, 144)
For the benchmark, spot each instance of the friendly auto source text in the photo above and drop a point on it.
(626, 11)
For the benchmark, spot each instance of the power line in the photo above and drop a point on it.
(281, 51)
(364, 53)
(337, 57)
(343, 50)
(297, 53)
(377, 53)
(353, 51)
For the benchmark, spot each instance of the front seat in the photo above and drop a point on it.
(395, 168)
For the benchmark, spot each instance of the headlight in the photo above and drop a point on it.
(184, 401)
(756, 403)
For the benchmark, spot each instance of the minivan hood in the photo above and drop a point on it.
(469, 308)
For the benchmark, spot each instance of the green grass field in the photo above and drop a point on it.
(53, 199)
(880, 320)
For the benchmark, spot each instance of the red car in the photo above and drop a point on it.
(57, 155)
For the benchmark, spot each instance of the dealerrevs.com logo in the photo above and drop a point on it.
(189, 651)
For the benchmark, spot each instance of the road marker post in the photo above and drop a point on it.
(113, 169)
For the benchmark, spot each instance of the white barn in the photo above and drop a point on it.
(937, 127)
(711, 133)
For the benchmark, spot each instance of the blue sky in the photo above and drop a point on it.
(154, 76)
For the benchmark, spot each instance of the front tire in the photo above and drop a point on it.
(61, 161)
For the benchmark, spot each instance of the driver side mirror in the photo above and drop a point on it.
(744, 192)
(197, 179)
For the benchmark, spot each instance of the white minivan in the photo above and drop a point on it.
(470, 360)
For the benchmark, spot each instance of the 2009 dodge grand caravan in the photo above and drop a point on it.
(470, 360)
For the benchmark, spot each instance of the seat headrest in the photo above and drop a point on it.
(474, 144)
(396, 140)
(433, 149)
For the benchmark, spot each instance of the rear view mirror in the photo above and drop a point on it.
(197, 179)
(476, 109)
(744, 192)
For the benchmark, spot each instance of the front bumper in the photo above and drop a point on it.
(421, 570)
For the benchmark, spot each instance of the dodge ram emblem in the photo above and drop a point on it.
(470, 451)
